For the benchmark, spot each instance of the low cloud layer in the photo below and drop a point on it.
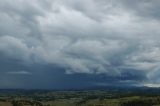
(119, 40)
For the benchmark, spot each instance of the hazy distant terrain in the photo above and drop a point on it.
(109, 97)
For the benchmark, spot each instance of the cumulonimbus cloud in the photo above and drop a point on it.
(92, 37)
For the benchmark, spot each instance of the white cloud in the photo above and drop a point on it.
(19, 73)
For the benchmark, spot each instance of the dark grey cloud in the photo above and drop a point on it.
(147, 9)
(117, 39)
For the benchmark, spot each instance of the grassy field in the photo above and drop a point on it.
(127, 101)
(5, 104)
(79, 98)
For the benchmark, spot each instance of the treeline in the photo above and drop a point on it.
(145, 101)
(26, 102)
(128, 101)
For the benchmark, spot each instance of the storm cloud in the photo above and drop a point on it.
(98, 41)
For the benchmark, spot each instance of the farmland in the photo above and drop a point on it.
(111, 97)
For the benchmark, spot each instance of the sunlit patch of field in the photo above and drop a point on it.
(61, 102)
(5, 104)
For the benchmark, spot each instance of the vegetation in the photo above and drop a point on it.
(114, 97)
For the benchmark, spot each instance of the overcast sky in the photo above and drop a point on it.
(79, 43)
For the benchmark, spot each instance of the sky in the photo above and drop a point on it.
(64, 44)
